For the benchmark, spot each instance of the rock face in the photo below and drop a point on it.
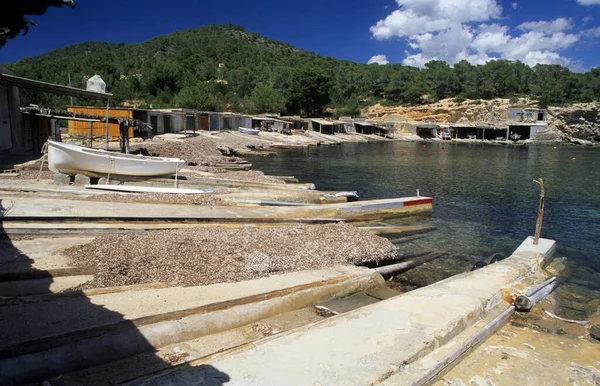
(581, 121)
(450, 111)
(577, 123)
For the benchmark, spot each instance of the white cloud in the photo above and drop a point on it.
(592, 32)
(417, 16)
(558, 25)
(589, 2)
(455, 30)
(379, 59)
(515, 5)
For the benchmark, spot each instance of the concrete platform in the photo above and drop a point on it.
(371, 344)
(41, 208)
(53, 335)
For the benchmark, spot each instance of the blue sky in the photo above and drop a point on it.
(404, 31)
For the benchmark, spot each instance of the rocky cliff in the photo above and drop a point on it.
(579, 121)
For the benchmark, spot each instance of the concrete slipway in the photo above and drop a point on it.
(374, 344)
(41, 208)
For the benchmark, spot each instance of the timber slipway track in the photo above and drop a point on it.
(339, 325)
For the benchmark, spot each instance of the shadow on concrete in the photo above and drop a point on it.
(52, 337)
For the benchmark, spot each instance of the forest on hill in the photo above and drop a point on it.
(224, 67)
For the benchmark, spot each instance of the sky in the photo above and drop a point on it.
(410, 32)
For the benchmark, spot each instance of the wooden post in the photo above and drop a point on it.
(91, 133)
(124, 137)
(538, 225)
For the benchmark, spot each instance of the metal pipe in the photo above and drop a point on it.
(524, 303)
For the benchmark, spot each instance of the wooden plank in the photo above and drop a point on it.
(398, 230)
(47, 343)
(86, 293)
(34, 274)
(147, 189)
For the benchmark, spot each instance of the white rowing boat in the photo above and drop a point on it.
(245, 130)
(147, 189)
(73, 159)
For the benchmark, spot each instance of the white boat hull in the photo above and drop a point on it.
(245, 130)
(72, 159)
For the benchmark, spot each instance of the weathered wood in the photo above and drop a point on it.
(406, 265)
(86, 293)
(406, 239)
(399, 230)
(33, 274)
(472, 342)
(537, 293)
(47, 343)
(538, 225)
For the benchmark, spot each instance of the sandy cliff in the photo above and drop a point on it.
(579, 121)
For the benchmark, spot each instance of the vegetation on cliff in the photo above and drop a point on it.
(222, 67)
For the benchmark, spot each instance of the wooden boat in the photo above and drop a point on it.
(245, 130)
(73, 159)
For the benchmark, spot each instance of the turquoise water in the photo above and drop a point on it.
(485, 200)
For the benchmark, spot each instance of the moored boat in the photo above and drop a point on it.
(72, 159)
(245, 130)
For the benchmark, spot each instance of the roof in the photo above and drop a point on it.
(53, 88)
(4, 70)
(264, 118)
(425, 125)
(322, 122)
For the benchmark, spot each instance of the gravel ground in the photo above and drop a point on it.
(215, 255)
(195, 151)
(247, 175)
(29, 174)
(208, 199)
(252, 176)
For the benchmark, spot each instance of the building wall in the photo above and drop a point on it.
(36, 131)
(98, 128)
(6, 142)
(12, 138)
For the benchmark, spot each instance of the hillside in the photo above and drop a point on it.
(224, 67)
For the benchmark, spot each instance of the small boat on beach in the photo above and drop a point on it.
(245, 130)
(73, 159)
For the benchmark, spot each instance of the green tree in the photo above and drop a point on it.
(309, 91)
(264, 99)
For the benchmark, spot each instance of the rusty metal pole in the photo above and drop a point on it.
(538, 225)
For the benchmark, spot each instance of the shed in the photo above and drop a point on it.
(20, 135)
(78, 128)
(327, 127)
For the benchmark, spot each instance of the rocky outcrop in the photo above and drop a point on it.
(579, 121)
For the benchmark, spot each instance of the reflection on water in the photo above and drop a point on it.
(485, 200)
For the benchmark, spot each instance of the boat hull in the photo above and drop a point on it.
(244, 130)
(72, 159)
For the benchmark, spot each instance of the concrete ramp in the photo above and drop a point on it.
(371, 344)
